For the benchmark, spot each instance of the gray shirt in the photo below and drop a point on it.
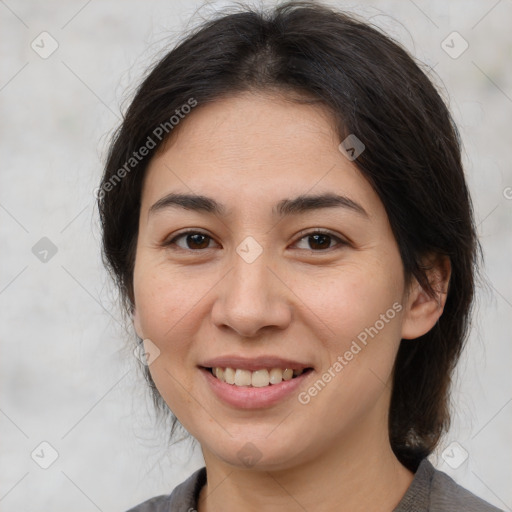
(430, 491)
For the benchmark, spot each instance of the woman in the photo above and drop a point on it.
(286, 215)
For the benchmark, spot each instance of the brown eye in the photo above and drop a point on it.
(197, 241)
(320, 241)
(191, 240)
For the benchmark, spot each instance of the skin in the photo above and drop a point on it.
(296, 300)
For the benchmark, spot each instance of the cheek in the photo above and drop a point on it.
(166, 308)
(163, 299)
(353, 298)
(363, 319)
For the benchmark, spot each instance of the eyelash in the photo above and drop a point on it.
(340, 241)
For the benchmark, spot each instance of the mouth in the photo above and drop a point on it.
(254, 383)
(260, 378)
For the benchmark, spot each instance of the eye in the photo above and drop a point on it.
(320, 241)
(191, 240)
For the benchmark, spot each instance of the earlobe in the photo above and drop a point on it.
(423, 309)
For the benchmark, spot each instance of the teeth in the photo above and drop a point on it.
(229, 376)
(258, 379)
(287, 374)
(276, 375)
(242, 378)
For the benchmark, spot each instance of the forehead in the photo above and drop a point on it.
(254, 149)
(249, 125)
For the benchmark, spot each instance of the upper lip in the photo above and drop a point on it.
(254, 363)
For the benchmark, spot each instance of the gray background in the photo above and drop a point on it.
(68, 374)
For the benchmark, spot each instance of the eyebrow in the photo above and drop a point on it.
(300, 204)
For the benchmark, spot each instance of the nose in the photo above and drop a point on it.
(251, 299)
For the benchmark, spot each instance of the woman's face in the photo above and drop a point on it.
(261, 249)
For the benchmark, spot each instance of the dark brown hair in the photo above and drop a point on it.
(373, 89)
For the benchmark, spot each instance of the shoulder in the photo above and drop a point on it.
(440, 493)
(445, 494)
(183, 498)
(156, 504)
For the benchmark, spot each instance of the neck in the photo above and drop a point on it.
(359, 474)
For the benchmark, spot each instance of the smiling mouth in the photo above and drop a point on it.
(257, 379)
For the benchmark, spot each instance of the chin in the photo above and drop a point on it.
(259, 453)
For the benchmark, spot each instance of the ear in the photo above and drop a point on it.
(422, 309)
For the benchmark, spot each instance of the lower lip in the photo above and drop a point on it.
(248, 397)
